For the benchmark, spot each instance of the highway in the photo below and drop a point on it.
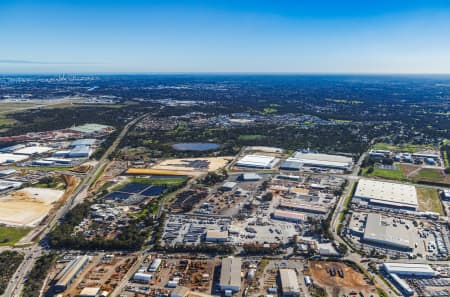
(36, 250)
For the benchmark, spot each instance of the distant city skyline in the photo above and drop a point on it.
(100, 36)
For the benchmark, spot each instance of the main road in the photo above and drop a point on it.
(34, 251)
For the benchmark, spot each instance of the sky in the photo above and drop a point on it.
(131, 36)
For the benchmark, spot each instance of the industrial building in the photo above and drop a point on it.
(155, 265)
(6, 185)
(289, 216)
(228, 186)
(11, 158)
(402, 284)
(386, 194)
(289, 283)
(380, 232)
(142, 277)
(90, 292)
(323, 160)
(291, 165)
(81, 151)
(409, 269)
(301, 206)
(250, 177)
(32, 150)
(257, 161)
(85, 142)
(216, 236)
(70, 272)
(230, 275)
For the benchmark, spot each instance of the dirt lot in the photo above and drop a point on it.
(28, 206)
(352, 281)
(183, 164)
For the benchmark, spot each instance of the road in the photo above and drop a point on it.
(33, 252)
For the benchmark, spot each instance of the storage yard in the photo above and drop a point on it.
(194, 164)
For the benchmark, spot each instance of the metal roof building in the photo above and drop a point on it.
(378, 232)
(250, 177)
(230, 275)
(291, 164)
(70, 272)
(216, 236)
(323, 160)
(410, 269)
(86, 141)
(289, 283)
(386, 194)
(81, 151)
(290, 216)
(257, 161)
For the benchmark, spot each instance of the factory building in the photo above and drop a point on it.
(289, 216)
(409, 269)
(386, 194)
(230, 275)
(32, 150)
(257, 161)
(216, 236)
(228, 186)
(70, 272)
(142, 277)
(6, 185)
(323, 160)
(402, 284)
(382, 233)
(289, 283)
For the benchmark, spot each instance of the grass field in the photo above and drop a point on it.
(429, 200)
(429, 173)
(250, 137)
(406, 147)
(384, 173)
(10, 235)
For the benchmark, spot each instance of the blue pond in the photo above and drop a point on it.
(195, 146)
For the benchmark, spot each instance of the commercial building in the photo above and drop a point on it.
(216, 236)
(323, 160)
(301, 206)
(386, 194)
(257, 161)
(70, 272)
(289, 283)
(289, 216)
(409, 269)
(230, 275)
(90, 292)
(380, 232)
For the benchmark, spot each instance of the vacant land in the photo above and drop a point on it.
(385, 173)
(429, 200)
(351, 280)
(10, 235)
(406, 147)
(27, 207)
(184, 164)
(429, 173)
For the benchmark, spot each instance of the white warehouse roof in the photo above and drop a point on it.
(387, 193)
(323, 160)
(230, 275)
(31, 150)
(289, 282)
(409, 269)
(257, 161)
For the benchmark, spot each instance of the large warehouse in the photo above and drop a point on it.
(257, 161)
(323, 160)
(290, 216)
(289, 283)
(70, 272)
(379, 232)
(409, 269)
(386, 194)
(230, 275)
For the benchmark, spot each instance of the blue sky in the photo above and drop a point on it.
(225, 36)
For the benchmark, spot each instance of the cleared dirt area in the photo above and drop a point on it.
(338, 279)
(194, 164)
(28, 206)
